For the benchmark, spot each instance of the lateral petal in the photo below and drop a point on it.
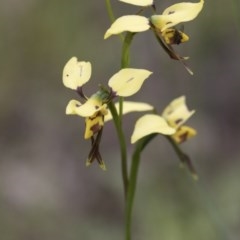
(148, 124)
(128, 81)
(76, 74)
(129, 107)
(130, 23)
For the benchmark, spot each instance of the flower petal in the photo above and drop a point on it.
(149, 124)
(177, 13)
(129, 107)
(183, 134)
(72, 107)
(130, 23)
(177, 112)
(142, 3)
(173, 36)
(76, 74)
(88, 109)
(128, 81)
(93, 125)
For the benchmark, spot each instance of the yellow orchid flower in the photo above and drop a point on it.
(175, 14)
(169, 123)
(176, 114)
(124, 83)
(171, 16)
(162, 25)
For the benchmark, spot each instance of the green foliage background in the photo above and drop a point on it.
(45, 190)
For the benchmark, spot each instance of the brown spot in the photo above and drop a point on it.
(96, 128)
(178, 121)
(171, 12)
(129, 80)
(183, 137)
(96, 107)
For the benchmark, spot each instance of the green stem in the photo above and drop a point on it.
(117, 117)
(141, 144)
(125, 61)
(111, 15)
(129, 187)
(122, 142)
(109, 10)
(125, 49)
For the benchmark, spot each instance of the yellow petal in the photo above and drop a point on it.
(149, 124)
(174, 36)
(128, 81)
(183, 134)
(88, 109)
(72, 106)
(177, 112)
(93, 125)
(130, 23)
(142, 3)
(129, 107)
(177, 13)
(75, 73)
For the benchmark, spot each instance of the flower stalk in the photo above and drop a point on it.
(136, 157)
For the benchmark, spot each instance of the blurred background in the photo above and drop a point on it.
(46, 192)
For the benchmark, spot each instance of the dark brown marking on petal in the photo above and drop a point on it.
(130, 79)
(96, 128)
(177, 38)
(92, 118)
(178, 121)
(97, 114)
(183, 137)
(168, 23)
(171, 12)
(96, 107)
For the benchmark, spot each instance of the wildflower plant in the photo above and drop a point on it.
(108, 102)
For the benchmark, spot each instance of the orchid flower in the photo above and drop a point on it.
(94, 109)
(169, 123)
(163, 25)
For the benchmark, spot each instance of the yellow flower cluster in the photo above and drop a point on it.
(94, 109)
(128, 81)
